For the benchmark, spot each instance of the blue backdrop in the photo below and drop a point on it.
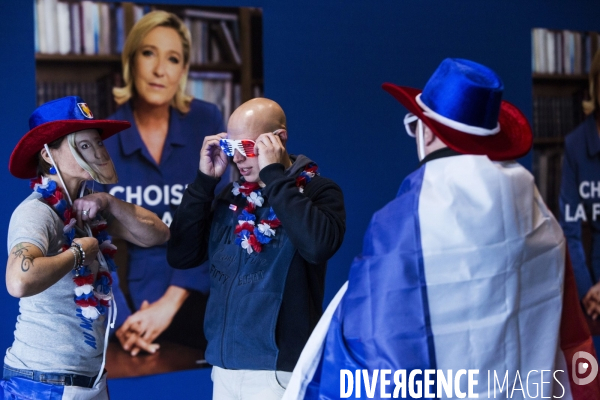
(324, 62)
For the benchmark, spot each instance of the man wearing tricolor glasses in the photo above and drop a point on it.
(268, 238)
(464, 277)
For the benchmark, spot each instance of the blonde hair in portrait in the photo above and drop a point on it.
(181, 100)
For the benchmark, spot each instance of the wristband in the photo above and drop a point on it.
(81, 260)
(76, 257)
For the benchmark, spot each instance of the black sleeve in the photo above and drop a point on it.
(188, 245)
(314, 220)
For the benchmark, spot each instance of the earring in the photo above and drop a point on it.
(52, 170)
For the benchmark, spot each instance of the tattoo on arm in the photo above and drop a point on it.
(22, 251)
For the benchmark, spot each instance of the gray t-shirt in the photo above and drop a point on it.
(51, 335)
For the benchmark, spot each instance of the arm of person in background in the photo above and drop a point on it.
(130, 222)
(29, 271)
(316, 225)
(569, 200)
(190, 227)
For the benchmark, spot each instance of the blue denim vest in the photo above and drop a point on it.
(245, 293)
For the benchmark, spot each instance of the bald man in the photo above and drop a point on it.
(268, 238)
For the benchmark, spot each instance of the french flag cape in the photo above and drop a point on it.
(465, 270)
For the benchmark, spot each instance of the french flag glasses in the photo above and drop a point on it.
(244, 146)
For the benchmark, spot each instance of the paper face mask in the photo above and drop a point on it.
(91, 155)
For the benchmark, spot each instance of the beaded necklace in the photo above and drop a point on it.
(92, 291)
(250, 236)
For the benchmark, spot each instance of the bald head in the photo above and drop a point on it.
(255, 117)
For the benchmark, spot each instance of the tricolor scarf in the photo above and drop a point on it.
(250, 236)
(92, 291)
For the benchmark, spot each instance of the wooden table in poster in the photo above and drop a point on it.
(170, 357)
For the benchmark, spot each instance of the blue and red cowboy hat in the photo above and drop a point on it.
(51, 121)
(462, 105)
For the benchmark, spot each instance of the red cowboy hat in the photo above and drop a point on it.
(52, 121)
(462, 105)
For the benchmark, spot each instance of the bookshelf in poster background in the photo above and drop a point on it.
(562, 52)
(89, 33)
(561, 61)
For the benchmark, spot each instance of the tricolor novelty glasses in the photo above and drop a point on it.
(244, 146)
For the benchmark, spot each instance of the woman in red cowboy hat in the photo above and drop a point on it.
(60, 253)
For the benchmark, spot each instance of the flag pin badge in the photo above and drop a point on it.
(85, 110)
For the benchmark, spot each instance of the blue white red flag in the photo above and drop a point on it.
(466, 270)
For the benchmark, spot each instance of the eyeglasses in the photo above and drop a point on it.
(410, 123)
(244, 146)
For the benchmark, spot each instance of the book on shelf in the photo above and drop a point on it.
(139, 11)
(90, 26)
(228, 44)
(214, 51)
(112, 30)
(51, 31)
(63, 21)
(119, 29)
(200, 40)
(547, 170)
(104, 38)
(40, 27)
(76, 27)
(563, 52)
(208, 15)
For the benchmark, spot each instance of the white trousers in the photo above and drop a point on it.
(243, 384)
